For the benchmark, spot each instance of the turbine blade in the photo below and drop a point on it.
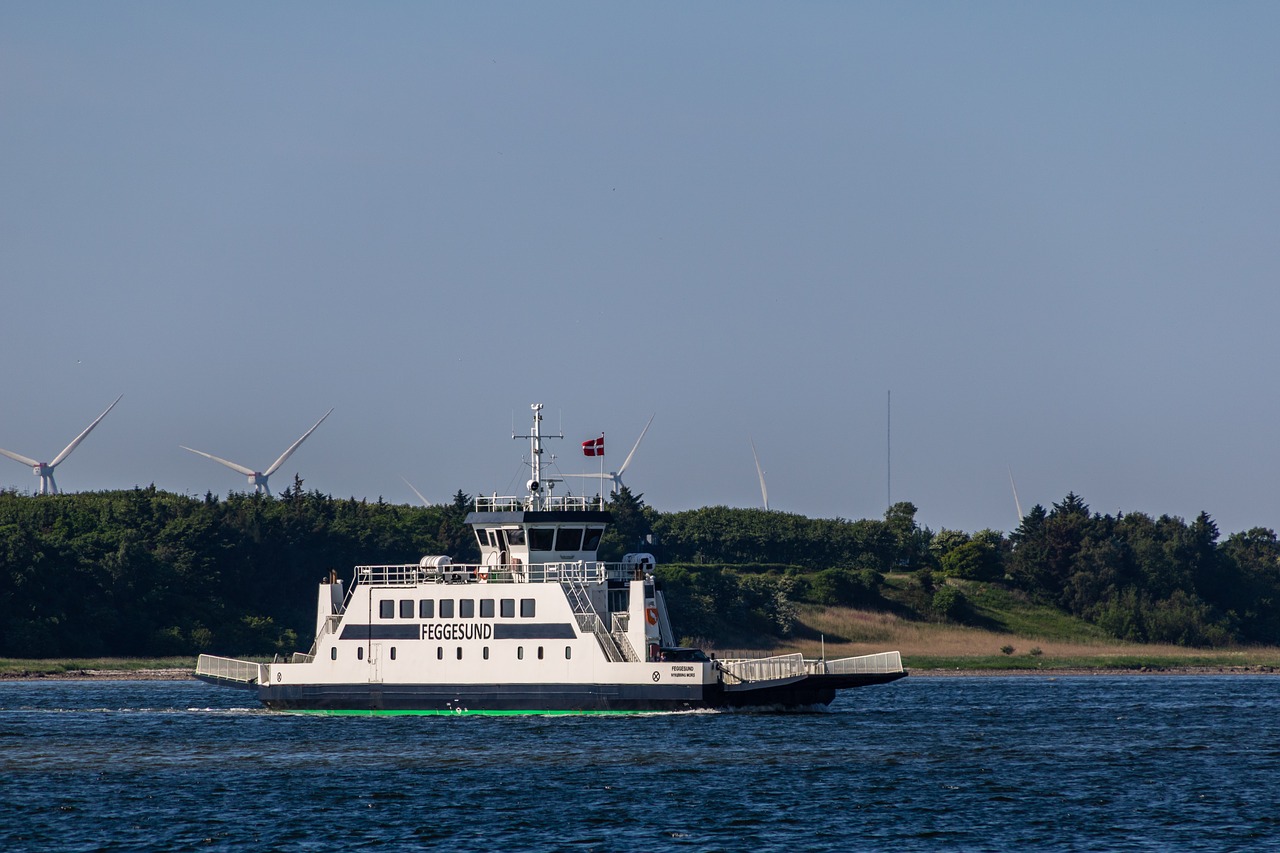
(764, 493)
(66, 451)
(283, 456)
(627, 461)
(18, 457)
(425, 502)
(233, 466)
(1016, 502)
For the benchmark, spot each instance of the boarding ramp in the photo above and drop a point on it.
(229, 671)
(884, 663)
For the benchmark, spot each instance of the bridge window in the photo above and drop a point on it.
(427, 608)
(406, 608)
(527, 608)
(592, 540)
(387, 609)
(508, 608)
(466, 608)
(446, 608)
(569, 539)
(541, 538)
(486, 608)
(480, 537)
(516, 536)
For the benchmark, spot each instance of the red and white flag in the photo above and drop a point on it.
(593, 446)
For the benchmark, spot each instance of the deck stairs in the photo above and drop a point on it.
(615, 645)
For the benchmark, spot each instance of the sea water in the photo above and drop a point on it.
(1011, 763)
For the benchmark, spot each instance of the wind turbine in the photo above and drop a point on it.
(44, 470)
(764, 493)
(615, 477)
(421, 497)
(258, 479)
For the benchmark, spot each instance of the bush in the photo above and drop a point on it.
(949, 603)
(846, 587)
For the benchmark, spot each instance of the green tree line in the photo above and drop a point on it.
(144, 572)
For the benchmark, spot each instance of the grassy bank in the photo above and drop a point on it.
(14, 667)
(1028, 643)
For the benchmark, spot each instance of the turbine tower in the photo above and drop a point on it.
(615, 477)
(44, 470)
(764, 493)
(258, 479)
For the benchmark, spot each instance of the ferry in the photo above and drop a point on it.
(538, 626)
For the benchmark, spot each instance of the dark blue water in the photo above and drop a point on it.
(1087, 763)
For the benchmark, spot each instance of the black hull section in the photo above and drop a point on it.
(486, 698)
(811, 692)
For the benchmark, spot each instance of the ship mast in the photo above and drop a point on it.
(538, 490)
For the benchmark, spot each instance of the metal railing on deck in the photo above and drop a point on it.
(766, 669)
(877, 664)
(497, 503)
(229, 669)
(579, 571)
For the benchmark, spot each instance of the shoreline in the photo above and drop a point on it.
(939, 672)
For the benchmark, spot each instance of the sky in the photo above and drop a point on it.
(911, 251)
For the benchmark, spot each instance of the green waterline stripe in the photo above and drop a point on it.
(459, 713)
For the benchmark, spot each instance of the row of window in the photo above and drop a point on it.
(568, 653)
(545, 538)
(466, 608)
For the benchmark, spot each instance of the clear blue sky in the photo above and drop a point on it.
(1050, 229)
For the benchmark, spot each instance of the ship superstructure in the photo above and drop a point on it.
(538, 625)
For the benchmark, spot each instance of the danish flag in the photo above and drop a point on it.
(593, 446)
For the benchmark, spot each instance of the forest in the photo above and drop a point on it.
(144, 572)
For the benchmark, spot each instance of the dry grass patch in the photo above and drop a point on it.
(848, 632)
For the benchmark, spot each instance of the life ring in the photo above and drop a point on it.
(651, 615)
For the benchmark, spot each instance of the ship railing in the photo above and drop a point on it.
(577, 571)
(765, 669)
(539, 503)
(877, 664)
(229, 669)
